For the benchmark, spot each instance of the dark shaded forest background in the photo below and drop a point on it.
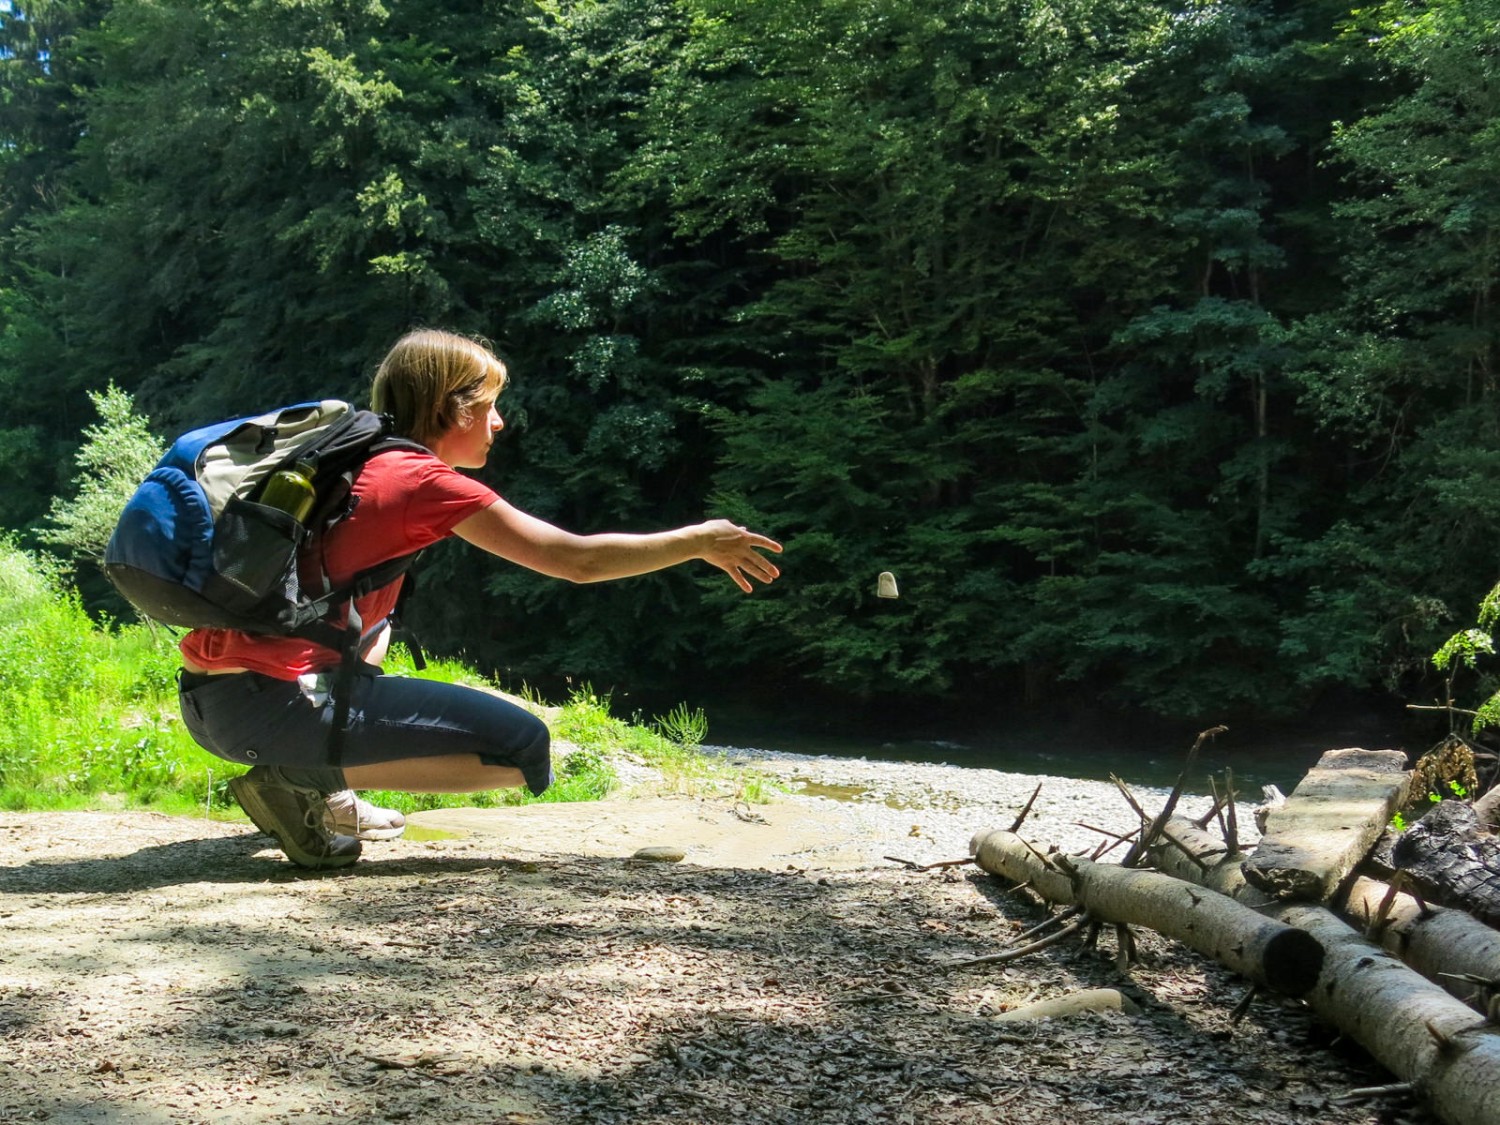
(1152, 345)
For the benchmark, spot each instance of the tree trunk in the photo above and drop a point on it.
(1449, 860)
(1409, 1025)
(1434, 942)
(1487, 809)
(1267, 952)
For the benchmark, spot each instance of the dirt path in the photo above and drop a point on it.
(158, 970)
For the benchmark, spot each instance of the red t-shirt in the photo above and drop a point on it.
(404, 501)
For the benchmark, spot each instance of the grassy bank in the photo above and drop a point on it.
(90, 719)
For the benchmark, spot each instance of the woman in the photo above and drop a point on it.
(263, 701)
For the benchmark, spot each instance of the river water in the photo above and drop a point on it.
(1258, 754)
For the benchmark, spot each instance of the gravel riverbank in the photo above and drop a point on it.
(930, 811)
(820, 812)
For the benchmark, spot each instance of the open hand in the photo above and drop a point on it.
(736, 551)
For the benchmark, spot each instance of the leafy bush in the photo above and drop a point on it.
(114, 457)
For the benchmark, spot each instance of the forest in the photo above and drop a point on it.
(1151, 345)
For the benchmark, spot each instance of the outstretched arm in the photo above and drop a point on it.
(505, 530)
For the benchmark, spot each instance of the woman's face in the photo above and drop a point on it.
(466, 445)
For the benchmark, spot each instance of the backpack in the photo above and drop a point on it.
(195, 548)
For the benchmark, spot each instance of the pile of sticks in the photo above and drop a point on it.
(1415, 984)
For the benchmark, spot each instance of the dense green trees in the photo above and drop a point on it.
(1150, 344)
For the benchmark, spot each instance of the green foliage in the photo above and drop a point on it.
(1153, 346)
(684, 727)
(115, 457)
(1488, 714)
(944, 196)
(89, 713)
(1454, 789)
(1398, 373)
(669, 745)
(1464, 647)
(1461, 658)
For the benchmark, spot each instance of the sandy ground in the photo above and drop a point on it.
(519, 966)
(709, 832)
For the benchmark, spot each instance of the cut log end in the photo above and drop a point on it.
(1274, 872)
(1293, 962)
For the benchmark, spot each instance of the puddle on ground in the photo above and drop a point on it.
(850, 794)
(832, 792)
(422, 834)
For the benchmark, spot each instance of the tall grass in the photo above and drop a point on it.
(89, 714)
(89, 717)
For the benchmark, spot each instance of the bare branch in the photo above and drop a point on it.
(1020, 951)
(1026, 811)
(1137, 851)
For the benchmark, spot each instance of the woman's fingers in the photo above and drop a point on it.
(737, 553)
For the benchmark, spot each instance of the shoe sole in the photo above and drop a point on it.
(374, 833)
(261, 816)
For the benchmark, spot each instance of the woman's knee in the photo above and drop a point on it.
(531, 753)
(539, 737)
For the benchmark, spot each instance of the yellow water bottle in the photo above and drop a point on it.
(291, 490)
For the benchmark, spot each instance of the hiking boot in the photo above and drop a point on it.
(294, 815)
(348, 815)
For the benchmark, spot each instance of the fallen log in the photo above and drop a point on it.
(1445, 946)
(1487, 809)
(1450, 860)
(1408, 1024)
(1316, 839)
(1267, 952)
(1189, 852)
(1449, 947)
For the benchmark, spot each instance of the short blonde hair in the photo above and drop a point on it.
(431, 380)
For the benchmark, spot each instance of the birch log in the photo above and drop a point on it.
(1265, 951)
(1186, 851)
(1441, 944)
(1408, 1024)
(1434, 943)
(1414, 1029)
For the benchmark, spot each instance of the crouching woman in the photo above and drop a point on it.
(263, 701)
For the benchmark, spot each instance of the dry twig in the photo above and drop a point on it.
(1214, 810)
(1232, 829)
(1138, 849)
(1365, 1093)
(1130, 799)
(1070, 912)
(1019, 951)
(1109, 845)
(1026, 810)
(913, 865)
(1124, 948)
(1242, 1008)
